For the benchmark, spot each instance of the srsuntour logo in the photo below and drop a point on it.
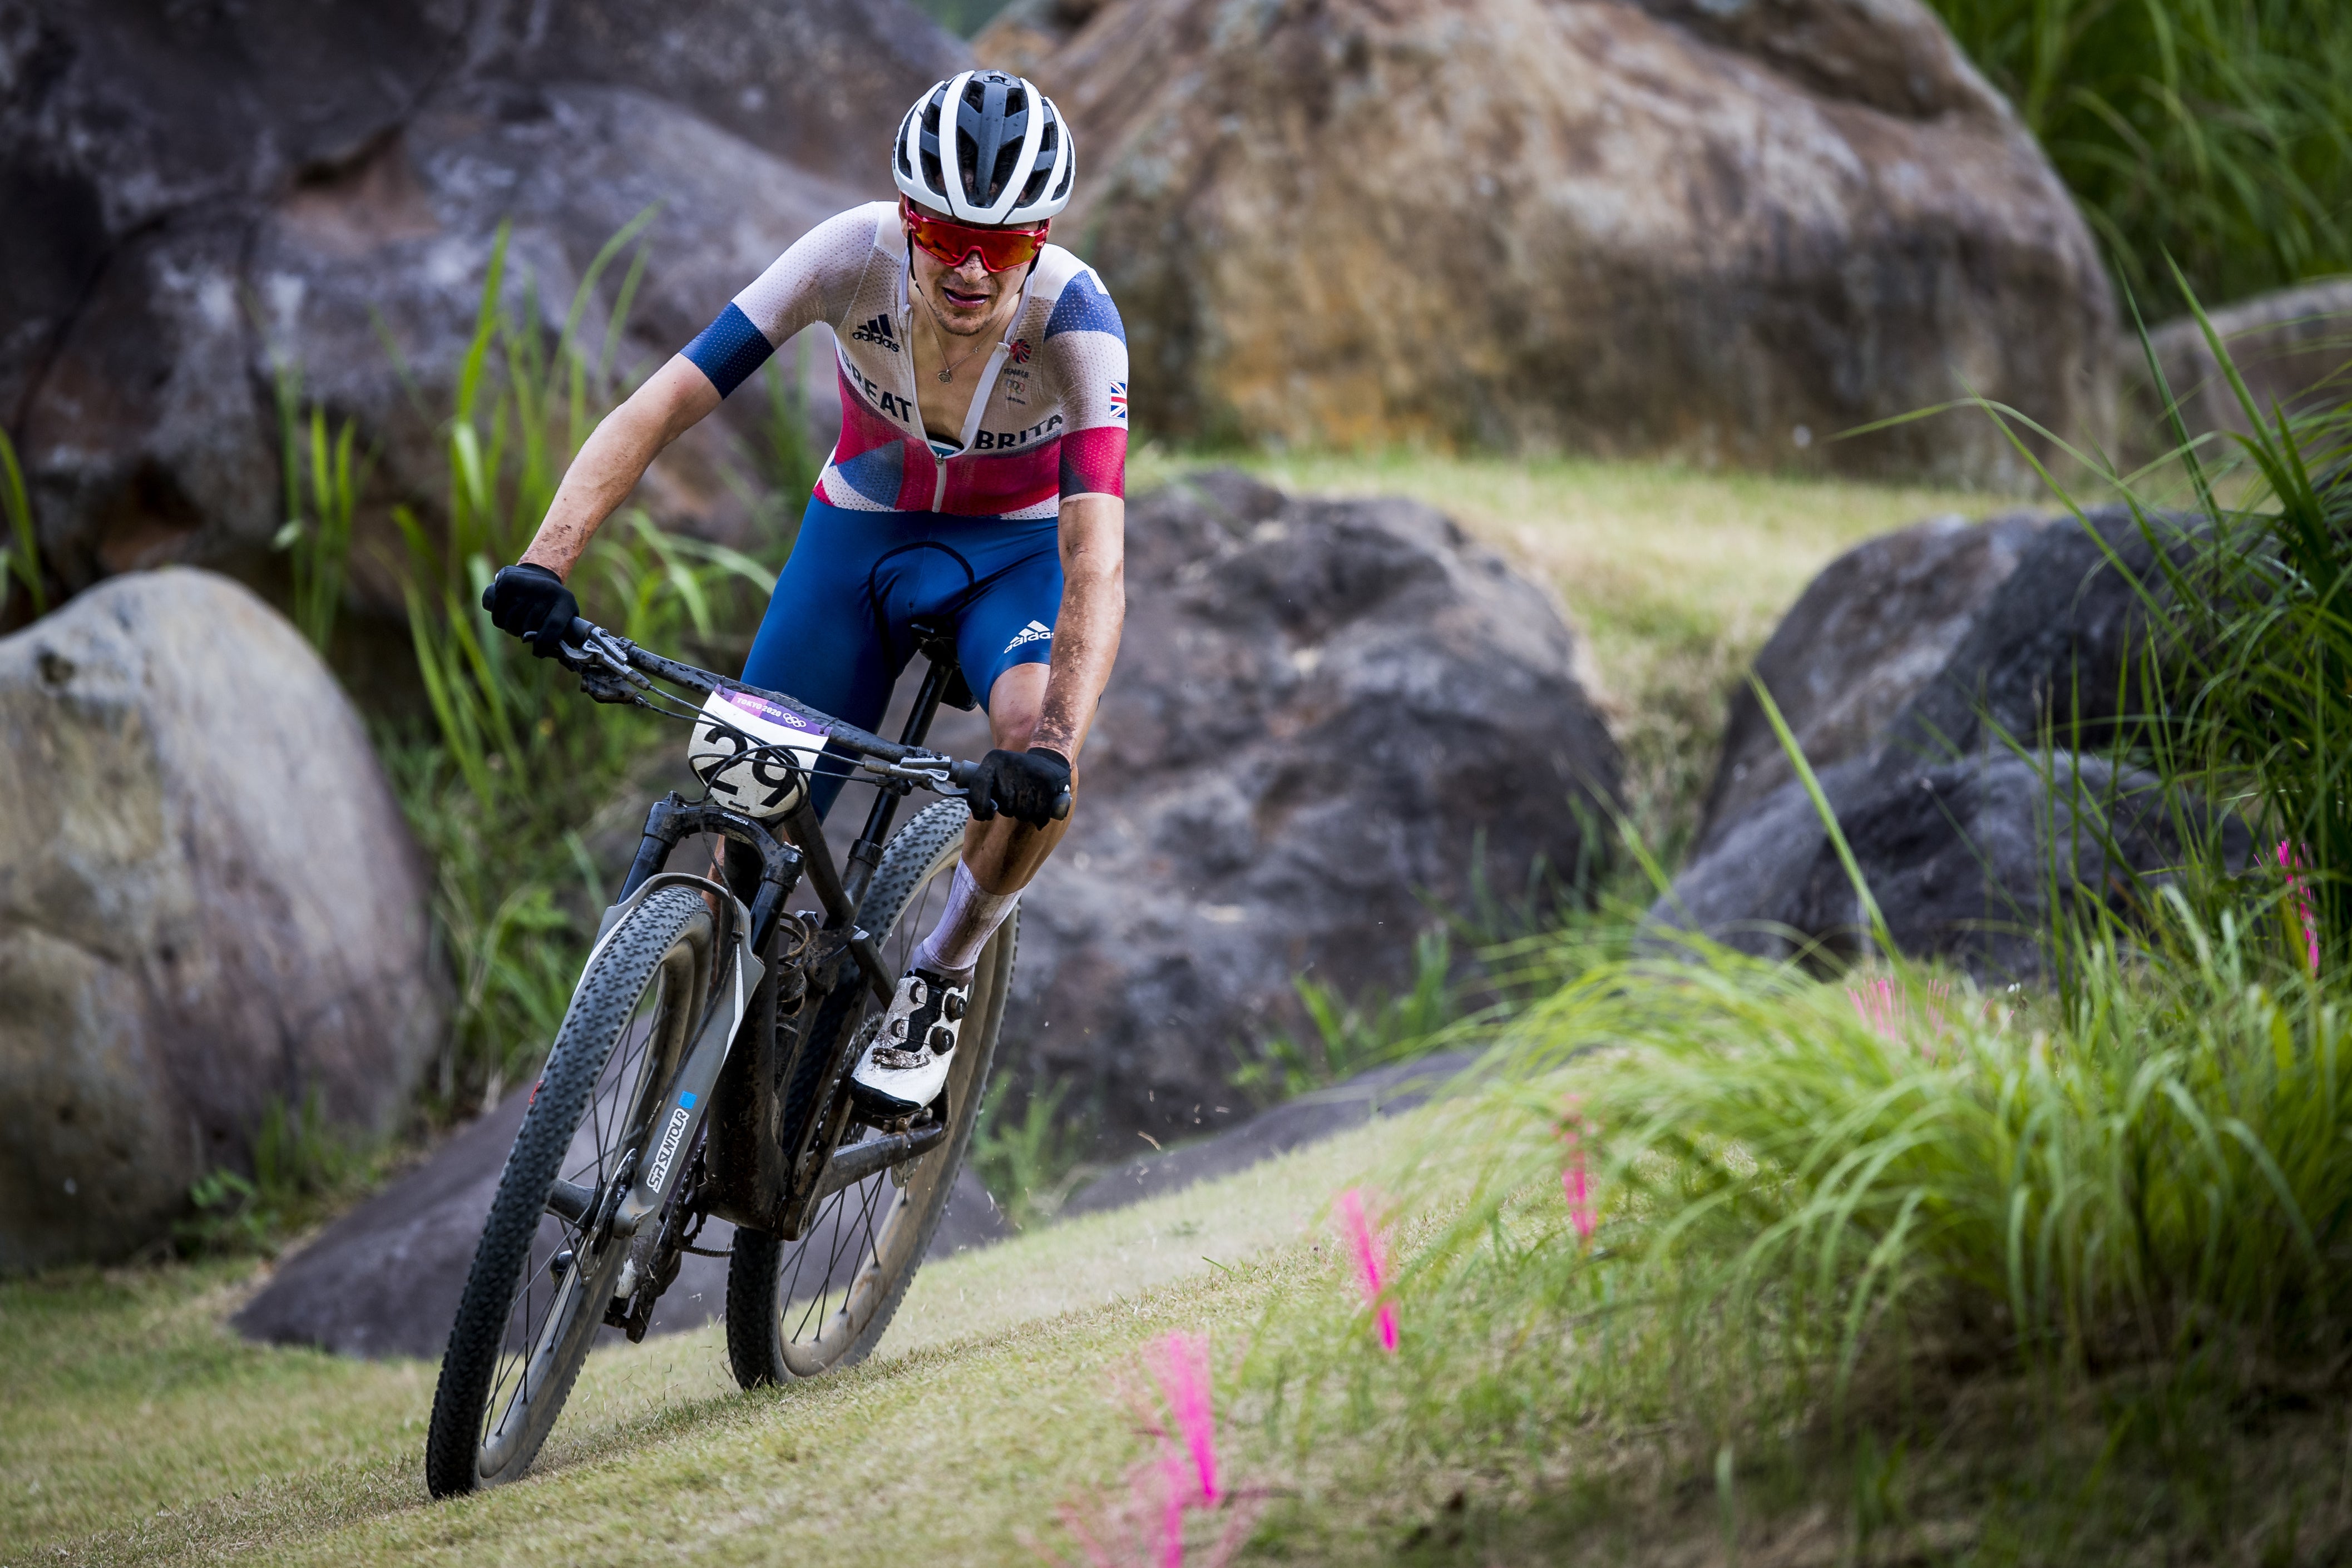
(670, 1137)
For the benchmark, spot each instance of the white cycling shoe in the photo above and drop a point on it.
(906, 1066)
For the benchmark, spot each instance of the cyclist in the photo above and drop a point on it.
(979, 478)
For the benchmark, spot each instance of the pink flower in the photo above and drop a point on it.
(2304, 920)
(1572, 1180)
(1172, 1507)
(1886, 1010)
(1145, 1529)
(1181, 1369)
(1370, 1264)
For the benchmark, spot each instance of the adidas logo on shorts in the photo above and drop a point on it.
(1036, 632)
(877, 330)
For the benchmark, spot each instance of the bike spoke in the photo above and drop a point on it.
(586, 1186)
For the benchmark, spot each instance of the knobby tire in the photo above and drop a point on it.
(642, 950)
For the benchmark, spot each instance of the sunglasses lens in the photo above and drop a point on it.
(999, 248)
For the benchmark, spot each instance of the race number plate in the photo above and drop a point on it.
(752, 754)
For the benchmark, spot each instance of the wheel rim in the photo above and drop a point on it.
(832, 1280)
(549, 1318)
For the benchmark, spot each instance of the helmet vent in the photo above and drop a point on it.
(987, 146)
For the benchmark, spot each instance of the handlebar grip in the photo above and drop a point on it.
(580, 630)
(963, 775)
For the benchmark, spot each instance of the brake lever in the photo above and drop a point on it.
(600, 652)
(940, 780)
(954, 779)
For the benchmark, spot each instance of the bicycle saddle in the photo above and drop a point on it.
(935, 640)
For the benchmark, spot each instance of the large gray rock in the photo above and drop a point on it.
(1327, 715)
(1723, 229)
(1956, 827)
(208, 901)
(1968, 861)
(2056, 651)
(384, 1278)
(1877, 624)
(215, 191)
(2293, 348)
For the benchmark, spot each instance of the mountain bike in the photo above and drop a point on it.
(702, 1068)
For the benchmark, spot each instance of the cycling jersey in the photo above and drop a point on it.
(1047, 423)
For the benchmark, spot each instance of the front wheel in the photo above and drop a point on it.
(549, 1262)
(796, 1309)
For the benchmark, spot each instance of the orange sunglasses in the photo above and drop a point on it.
(950, 242)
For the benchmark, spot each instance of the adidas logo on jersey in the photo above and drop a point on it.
(877, 331)
(1036, 632)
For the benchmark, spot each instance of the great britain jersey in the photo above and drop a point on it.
(1048, 421)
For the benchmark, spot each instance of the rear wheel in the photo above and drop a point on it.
(547, 1262)
(796, 1309)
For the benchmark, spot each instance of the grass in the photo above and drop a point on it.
(2218, 132)
(2048, 1276)
(140, 1428)
(516, 762)
(2049, 1284)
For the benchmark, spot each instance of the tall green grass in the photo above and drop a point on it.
(20, 553)
(2068, 1260)
(2251, 666)
(2216, 131)
(516, 761)
(322, 484)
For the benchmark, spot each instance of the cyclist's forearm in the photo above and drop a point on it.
(1086, 634)
(615, 458)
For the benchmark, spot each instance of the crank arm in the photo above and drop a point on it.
(853, 1165)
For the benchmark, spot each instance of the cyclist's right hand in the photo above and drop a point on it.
(533, 603)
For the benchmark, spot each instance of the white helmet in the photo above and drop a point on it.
(1012, 159)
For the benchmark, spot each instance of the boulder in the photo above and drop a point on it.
(1965, 860)
(1870, 631)
(1330, 719)
(219, 192)
(2292, 347)
(2056, 649)
(1913, 733)
(209, 901)
(384, 1280)
(1725, 230)
(1022, 36)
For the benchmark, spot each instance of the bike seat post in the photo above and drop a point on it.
(937, 644)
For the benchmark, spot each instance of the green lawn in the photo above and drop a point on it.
(138, 1428)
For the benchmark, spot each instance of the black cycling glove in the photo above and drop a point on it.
(1024, 785)
(533, 603)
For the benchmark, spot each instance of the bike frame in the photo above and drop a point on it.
(720, 1145)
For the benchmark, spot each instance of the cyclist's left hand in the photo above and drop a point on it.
(531, 602)
(1024, 785)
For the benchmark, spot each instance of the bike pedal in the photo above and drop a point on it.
(881, 1110)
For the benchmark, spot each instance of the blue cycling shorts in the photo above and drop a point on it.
(837, 633)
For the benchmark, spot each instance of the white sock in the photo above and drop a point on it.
(964, 926)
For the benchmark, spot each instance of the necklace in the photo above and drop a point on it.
(939, 335)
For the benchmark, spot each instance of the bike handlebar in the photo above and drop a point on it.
(586, 643)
